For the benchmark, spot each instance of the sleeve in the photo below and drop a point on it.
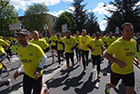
(2, 42)
(40, 52)
(43, 60)
(112, 49)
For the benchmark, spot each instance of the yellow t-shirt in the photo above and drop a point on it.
(103, 39)
(1, 37)
(59, 45)
(2, 43)
(96, 46)
(30, 57)
(109, 40)
(69, 43)
(41, 43)
(84, 40)
(123, 51)
(53, 38)
(77, 39)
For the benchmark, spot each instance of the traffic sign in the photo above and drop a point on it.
(64, 28)
(14, 26)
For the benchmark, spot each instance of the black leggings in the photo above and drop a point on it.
(30, 83)
(71, 56)
(60, 53)
(85, 55)
(97, 60)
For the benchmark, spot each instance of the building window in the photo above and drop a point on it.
(53, 20)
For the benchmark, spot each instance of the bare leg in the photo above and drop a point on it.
(129, 90)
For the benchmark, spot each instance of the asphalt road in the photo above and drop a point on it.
(76, 83)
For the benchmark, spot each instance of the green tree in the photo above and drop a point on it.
(92, 25)
(65, 18)
(8, 15)
(127, 11)
(80, 15)
(36, 17)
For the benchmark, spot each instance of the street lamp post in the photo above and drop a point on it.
(46, 27)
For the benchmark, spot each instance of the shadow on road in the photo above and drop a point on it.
(88, 86)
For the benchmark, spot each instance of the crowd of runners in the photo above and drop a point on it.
(119, 49)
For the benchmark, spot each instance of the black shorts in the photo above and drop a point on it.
(128, 79)
(53, 47)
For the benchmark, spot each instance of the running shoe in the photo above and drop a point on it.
(46, 90)
(53, 61)
(68, 73)
(99, 76)
(80, 61)
(59, 65)
(8, 71)
(9, 62)
(107, 90)
(77, 60)
(10, 84)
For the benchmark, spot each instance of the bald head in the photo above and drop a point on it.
(35, 35)
(84, 32)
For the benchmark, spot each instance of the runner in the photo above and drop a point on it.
(124, 50)
(96, 47)
(3, 55)
(32, 58)
(8, 49)
(83, 41)
(70, 44)
(60, 48)
(77, 50)
(110, 39)
(52, 40)
(41, 42)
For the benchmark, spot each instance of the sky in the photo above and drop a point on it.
(56, 7)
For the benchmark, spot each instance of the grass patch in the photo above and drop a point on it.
(14, 48)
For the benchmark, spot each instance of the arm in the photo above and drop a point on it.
(102, 49)
(6, 45)
(18, 71)
(88, 46)
(111, 58)
(43, 60)
(74, 46)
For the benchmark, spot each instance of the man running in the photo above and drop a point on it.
(70, 44)
(53, 39)
(60, 48)
(42, 43)
(83, 41)
(3, 55)
(32, 58)
(124, 50)
(77, 50)
(96, 47)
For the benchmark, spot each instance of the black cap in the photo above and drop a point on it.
(23, 31)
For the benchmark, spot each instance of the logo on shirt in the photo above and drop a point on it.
(126, 49)
(97, 45)
(26, 61)
(130, 53)
(30, 54)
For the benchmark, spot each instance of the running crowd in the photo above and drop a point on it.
(118, 49)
